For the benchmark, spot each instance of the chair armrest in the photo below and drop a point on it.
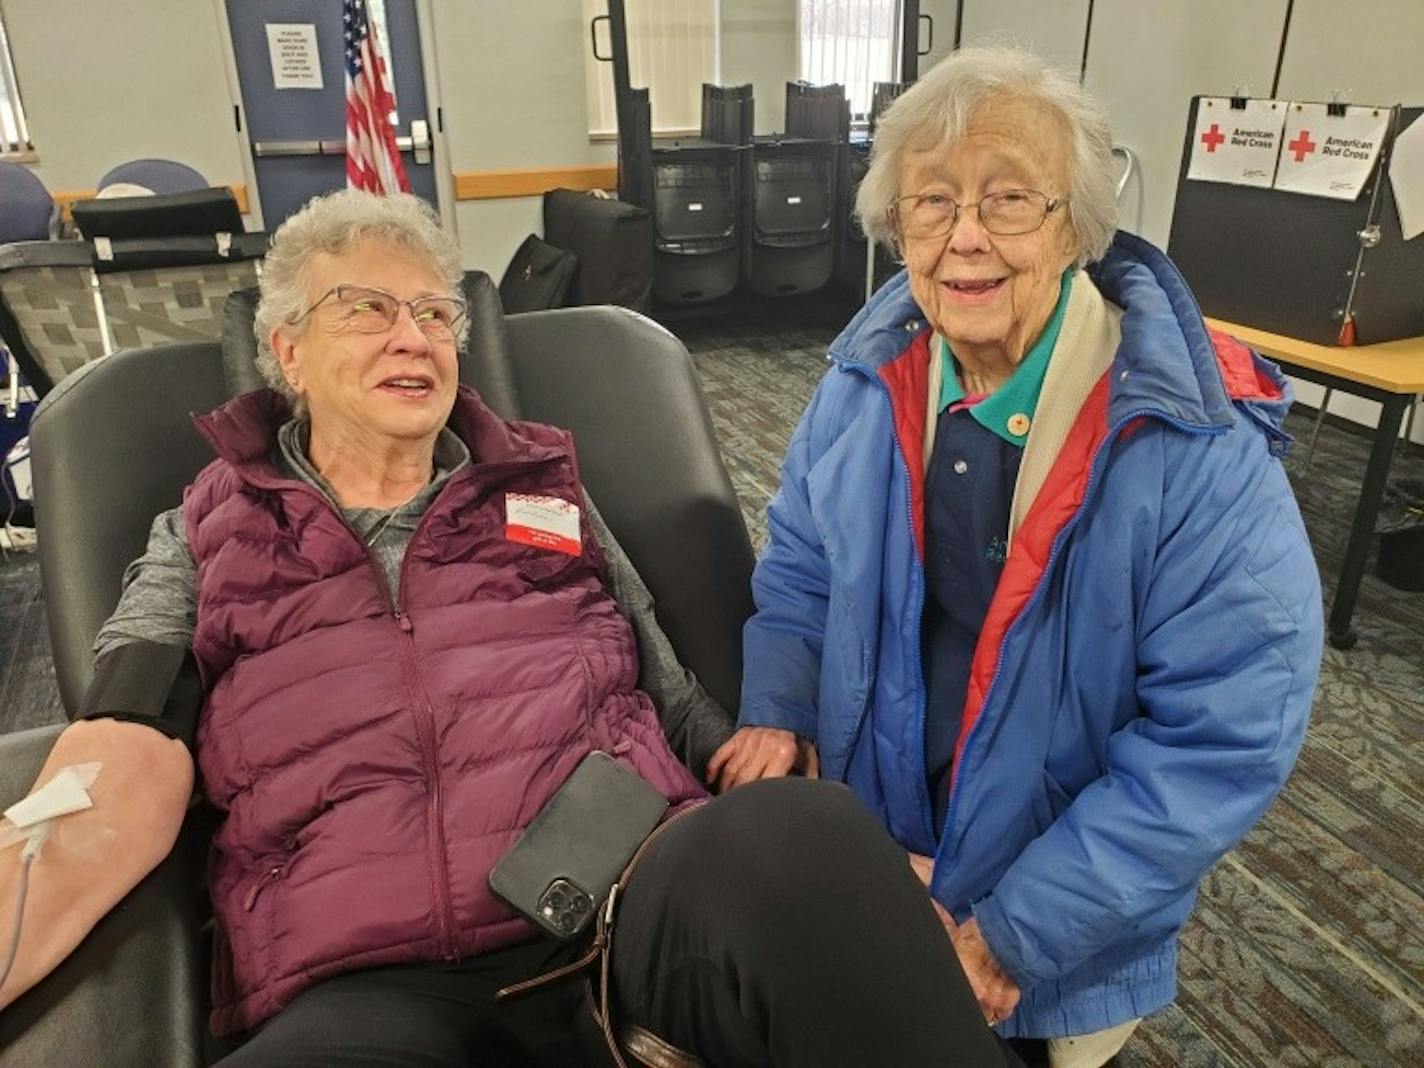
(133, 993)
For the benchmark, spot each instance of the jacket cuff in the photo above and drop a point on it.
(1007, 947)
(798, 721)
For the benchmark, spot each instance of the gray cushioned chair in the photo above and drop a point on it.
(113, 445)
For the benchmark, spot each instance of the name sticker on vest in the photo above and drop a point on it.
(544, 522)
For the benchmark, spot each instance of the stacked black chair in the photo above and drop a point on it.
(695, 195)
(798, 183)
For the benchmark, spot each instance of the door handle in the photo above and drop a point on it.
(273, 149)
(593, 38)
(419, 140)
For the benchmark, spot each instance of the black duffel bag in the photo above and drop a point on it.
(537, 278)
(614, 243)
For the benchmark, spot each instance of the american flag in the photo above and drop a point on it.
(372, 161)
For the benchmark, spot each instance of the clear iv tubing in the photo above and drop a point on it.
(27, 857)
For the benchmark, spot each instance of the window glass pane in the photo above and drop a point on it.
(850, 43)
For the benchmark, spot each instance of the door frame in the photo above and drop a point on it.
(430, 74)
(435, 117)
(234, 92)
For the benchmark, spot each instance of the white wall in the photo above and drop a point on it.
(1053, 30)
(105, 81)
(759, 46)
(512, 90)
(1146, 62)
(1370, 50)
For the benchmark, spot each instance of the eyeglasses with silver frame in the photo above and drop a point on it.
(1010, 213)
(369, 310)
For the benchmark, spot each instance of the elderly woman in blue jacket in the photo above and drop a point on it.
(1037, 588)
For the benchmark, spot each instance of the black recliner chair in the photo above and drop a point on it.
(113, 445)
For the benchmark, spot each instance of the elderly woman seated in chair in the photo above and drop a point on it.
(402, 626)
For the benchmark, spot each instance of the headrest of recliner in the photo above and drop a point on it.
(148, 254)
(484, 363)
(203, 211)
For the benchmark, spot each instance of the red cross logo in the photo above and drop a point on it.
(1213, 137)
(1302, 146)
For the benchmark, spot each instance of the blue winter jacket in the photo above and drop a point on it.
(1143, 681)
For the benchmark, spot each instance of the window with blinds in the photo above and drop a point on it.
(848, 42)
(14, 136)
(673, 47)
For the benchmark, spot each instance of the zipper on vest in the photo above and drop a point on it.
(424, 715)
(435, 823)
(270, 875)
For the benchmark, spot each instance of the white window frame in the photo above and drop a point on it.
(835, 73)
(15, 143)
(673, 47)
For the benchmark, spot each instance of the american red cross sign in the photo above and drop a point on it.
(1302, 146)
(1213, 137)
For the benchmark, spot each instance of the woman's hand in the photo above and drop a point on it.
(761, 753)
(998, 994)
(924, 868)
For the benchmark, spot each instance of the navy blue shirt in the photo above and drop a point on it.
(969, 495)
(969, 490)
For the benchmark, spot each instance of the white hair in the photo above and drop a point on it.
(333, 224)
(938, 108)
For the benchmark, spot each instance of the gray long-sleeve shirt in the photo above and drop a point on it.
(159, 600)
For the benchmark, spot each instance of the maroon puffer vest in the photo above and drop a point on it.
(374, 761)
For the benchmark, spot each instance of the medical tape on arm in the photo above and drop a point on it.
(29, 820)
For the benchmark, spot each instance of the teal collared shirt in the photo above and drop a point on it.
(1009, 410)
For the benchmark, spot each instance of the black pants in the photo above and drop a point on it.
(778, 925)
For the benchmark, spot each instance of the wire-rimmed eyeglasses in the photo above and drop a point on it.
(369, 310)
(1007, 214)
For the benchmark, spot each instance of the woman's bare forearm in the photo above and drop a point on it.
(91, 859)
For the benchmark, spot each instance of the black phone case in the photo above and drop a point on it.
(582, 839)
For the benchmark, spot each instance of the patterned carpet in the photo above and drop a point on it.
(1307, 946)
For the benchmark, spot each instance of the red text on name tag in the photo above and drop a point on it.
(544, 522)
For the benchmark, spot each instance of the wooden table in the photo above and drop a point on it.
(1391, 373)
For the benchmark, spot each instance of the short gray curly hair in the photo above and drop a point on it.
(332, 224)
(940, 106)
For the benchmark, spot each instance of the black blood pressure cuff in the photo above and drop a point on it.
(144, 682)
